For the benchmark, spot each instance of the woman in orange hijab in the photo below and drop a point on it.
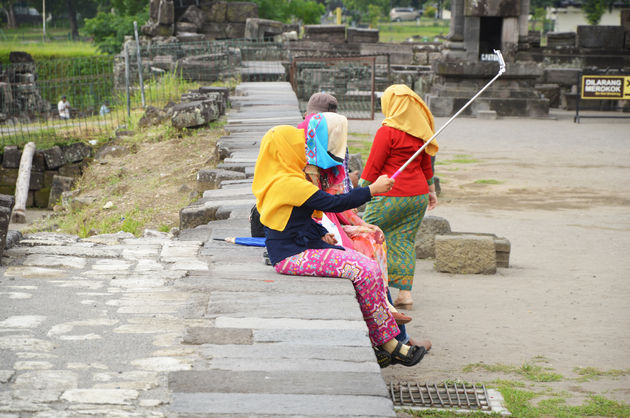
(297, 245)
(399, 212)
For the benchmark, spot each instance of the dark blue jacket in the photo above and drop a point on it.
(302, 232)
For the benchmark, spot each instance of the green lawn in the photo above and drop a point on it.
(56, 45)
(426, 30)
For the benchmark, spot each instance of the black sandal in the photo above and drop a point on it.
(383, 358)
(413, 357)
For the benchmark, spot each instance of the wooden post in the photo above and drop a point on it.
(22, 184)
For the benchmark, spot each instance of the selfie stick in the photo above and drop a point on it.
(413, 157)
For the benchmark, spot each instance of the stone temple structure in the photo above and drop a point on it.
(467, 63)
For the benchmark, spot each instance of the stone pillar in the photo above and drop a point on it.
(472, 26)
(523, 24)
(457, 21)
(509, 38)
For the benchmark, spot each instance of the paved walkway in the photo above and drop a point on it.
(114, 325)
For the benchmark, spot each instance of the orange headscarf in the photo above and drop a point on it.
(406, 111)
(279, 182)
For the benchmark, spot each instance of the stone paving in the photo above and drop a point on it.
(114, 325)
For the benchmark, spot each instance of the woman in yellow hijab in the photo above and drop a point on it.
(297, 245)
(408, 123)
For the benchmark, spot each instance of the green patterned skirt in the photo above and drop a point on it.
(399, 218)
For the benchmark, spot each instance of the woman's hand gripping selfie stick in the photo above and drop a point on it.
(501, 71)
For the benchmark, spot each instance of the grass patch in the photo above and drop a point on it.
(488, 181)
(518, 402)
(533, 372)
(591, 373)
(47, 50)
(426, 30)
(146, 188)
(459, 159)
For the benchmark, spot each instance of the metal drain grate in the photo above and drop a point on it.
(445, 395)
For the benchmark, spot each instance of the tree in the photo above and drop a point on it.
(7, 8)
(115, 20)
(594, 10)
(359, 8)
(306, 11)
(72, 15)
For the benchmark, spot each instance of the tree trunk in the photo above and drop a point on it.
(11, 21)
(22, 183)
(74, 28)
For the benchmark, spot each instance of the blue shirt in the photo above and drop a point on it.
(302, 232)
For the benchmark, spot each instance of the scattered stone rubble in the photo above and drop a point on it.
(460, 252)
(65, 161)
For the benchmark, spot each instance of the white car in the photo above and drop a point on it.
(399, 14)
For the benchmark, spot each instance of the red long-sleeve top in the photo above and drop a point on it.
(390, 150)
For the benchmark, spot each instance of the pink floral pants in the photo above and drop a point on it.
(365, 275)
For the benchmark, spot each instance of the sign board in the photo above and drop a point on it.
(616, 87)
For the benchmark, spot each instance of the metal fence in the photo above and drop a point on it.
(106, 93)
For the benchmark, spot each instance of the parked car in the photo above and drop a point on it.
(399, 14)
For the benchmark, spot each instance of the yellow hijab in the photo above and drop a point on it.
(279, 182)
(406, 111)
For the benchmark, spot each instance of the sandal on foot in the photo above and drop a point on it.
(383, 358)
(403, 303)
(422, 343)
(401, 318)
(413, 357)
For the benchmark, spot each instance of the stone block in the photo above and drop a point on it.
(36, 181)
(212, 178)
(358, 35)
(203, 335)
(215, 12)
(564, 77)
(8, 176)
(54, 157)
(325, 33)
(561, 39)
(240, 11)
(534, 37)
(491, 8)
(185, 27)
(551, 92)
(486, 114)
(465, 254)
(71, 170)
(608, 38)
(192, 114)
(76, 152)
(225, 92)
(502, 246)
(425, 237)
(11, 157)
(40, 197)
(194, 15)
(60, 184)
(39, 162)
(261, 29)
(5, 219)
(193, 216)
(166, 12)
(235, 30)
(152, 116)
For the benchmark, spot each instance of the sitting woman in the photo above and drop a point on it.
(349, 229)
(297, 245)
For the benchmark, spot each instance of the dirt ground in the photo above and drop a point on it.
(560, 193)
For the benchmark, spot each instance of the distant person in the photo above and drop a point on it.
(104, 109)
(64, 108)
